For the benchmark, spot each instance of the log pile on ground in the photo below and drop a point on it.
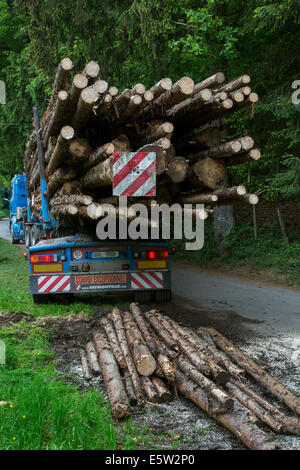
(146, 357)
(87, 120)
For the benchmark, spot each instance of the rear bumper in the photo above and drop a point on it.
(81, 283)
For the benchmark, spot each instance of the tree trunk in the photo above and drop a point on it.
(149, 389)
(197, 198)
(210, 82)
(129, 388)
(163, 392)
(145, 362)
(161, 156)
(113, 341)
(177, 169)
(92, 358)
(68, 209)
(61, 78)
(88, 99)
(188, 105)
(261, 376)
(51, 146)
(244, 157)
(282, 226)
(115, 316)
(93, 211)
(80, 82)
(237, 421)
(209, 386)
(58, 117)
(61, 148)
(84, 365)
(137, 315)
(98, 155)
(164, 85)
(99, 175)
(72, 199)
(206, 173)
(113, 382)
(79, 149)
(91, 71)
(228, 148)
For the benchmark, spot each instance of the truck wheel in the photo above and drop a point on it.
(143, 296)
(35, 235)
(12, 237)
(163, 295)
(62, 299)
(27, 236)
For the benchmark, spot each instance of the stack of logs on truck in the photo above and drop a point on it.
(146, 357)
(86, 122)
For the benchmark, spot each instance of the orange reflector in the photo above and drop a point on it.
(47, 268)
(159, 264)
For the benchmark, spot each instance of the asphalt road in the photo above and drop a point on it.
(4, 231)
(267, 309)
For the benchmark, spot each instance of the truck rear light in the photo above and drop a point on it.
(43, 258)
(158, 254)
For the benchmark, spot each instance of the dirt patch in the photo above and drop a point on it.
(10, 318)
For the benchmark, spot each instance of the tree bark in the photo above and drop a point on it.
(197, 198)
(129, 388)
(84, 365)
(188, 105)
(177, 169)
(98, 155)
(61, 148)
(282, 226)
(228, 148)
(244, 157)
(209, 386)
(237, 421)
(92, 358)
(113, 341)
(93, 211)
(58, 118)
(206, 173)
(88, 99)
(80, 82)
(158, 131)
(164, 85)
(149, 389)
(210, 82)
(116, 317)
(61, 78)
(145, 362)
(162, 390)
(266, 380)
(79, 149)
(68, 209)
(91, 71)
(110, 371)
(99, 175)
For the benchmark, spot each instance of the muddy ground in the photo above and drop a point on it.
(179, 424)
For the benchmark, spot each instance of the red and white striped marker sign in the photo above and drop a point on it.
(146, 280)
(134, 174)
(54, 283)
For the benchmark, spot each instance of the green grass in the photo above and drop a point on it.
(42, 411)
(241, 249)
(3, 213)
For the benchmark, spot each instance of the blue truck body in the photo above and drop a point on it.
(17, 208)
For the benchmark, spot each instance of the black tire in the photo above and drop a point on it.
(13, 240)
(27, 236)
(163, 295)
(61, 299)
(143, 296)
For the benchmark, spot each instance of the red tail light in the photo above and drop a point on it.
(158, 254)
(43, 258)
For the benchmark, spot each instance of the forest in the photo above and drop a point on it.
(142, 41)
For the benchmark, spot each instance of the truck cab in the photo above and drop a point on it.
(17, 208)
(80, 264)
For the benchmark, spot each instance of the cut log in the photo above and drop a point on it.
(145, 362)
(93, 211)
(80, 82)
(238, 421)
(149, 389)
(206, 173)
(161, 331)
(210, 137)
(177, 169)
(99, 175)
(247, 142)
(58, 118)
(113, 382)
(197, 198)
(138, 89)
(164, 85)
(210, 82)
(179, 91)
(113, 91)
(113, 341)
(145, 330)
(121, 100)
(162, 390)
(163, 142)
(129, 389)
(72, 199)
(157, 132)
(116, 317)
(79, 149)
(84, 365)
(61, 78)
(61, 148)
(161, 156)
(266, 380)
(209, 386)
(188, 105)
(58, 178)
(91, 71)
(121, 144)
(71, 187)
(244, 157)
(262, 414)
(230, 192)
(237, 96)
(88, 99)
(68, 209)
(228, 148)
(100, 87)
(237, 83)
(98, 155)
(92, 358)
(105, 104)
(51, 146)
